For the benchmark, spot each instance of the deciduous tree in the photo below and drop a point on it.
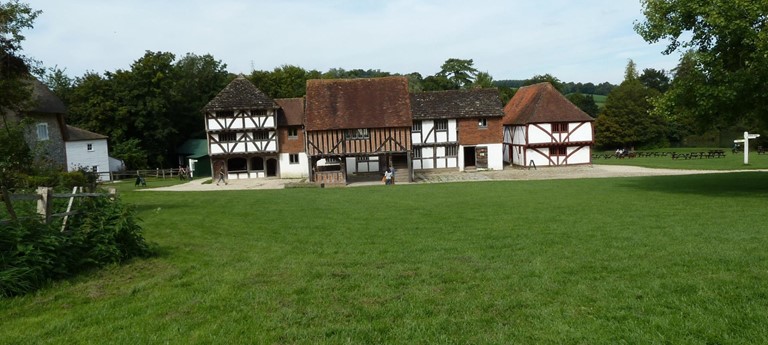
(728, 40)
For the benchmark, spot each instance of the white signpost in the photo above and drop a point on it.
(747, 136)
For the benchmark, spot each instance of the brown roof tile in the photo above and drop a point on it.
(357, 103)
(540, 103)
(456, 104)
(240, 94)
(291, 112)
(77, 134)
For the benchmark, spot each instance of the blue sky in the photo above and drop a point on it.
(580, 41)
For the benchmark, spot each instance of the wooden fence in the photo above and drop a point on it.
(157, 173)
(44, 198)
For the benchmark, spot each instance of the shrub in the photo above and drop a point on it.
(33, 253)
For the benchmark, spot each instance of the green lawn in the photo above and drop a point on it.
(731, 161)
(673, 259)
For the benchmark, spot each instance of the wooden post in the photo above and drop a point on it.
(44, 203)
(8, 204)
(69, 208)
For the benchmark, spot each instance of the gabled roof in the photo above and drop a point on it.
(540, 103)
(291, 112)
(357, 103)
(456, 104)
(78, 134)
(45, 101)
(240, 94)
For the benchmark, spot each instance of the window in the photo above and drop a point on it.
(560, 127)
(417, 153)
(95, 168)
(229, 136)
(451, 151)
(356, 134)
(293, 158)
(255, 112)
(558, 151)
(293, 132)
(441, 125)
(225, 113)
(416, 126)
(42, 131)
(482, 123)
(261, 135)
(89, 147)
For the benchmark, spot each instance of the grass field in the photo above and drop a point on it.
(674, 259)
(731, 161)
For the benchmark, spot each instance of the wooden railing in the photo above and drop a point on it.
(44, 198)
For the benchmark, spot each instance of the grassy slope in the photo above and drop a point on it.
(677, 259)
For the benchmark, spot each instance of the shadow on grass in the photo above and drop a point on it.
(722, 184)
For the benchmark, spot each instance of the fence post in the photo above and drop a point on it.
(45, 202)
(8, 205)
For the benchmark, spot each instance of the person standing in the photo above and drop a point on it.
(388, 176)
(221, 176)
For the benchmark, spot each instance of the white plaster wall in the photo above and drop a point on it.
(537, 136)
(581, 155)
(288, 170)
(79, 156)
(583, 133)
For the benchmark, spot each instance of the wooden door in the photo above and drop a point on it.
(481, 157)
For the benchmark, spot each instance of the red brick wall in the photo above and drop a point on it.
(471, 134)
(290, 145)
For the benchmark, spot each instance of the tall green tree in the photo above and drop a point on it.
(197, 80)
(627, 120)
(728, 41)
(545, 78)
(15, 92)
(655, 79)
(483, 80)
(286, 81)
(585, 102)
(460, 73)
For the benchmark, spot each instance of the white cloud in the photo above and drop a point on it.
(575, 41)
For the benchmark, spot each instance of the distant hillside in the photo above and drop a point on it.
(601, 89)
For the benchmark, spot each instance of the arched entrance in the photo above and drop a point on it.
(271, 167)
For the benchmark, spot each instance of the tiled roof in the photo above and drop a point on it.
(291, 112)
(541, 103)
(240, 94)
(78, 134)
(45, 100)
(456, 104)
(357, 103)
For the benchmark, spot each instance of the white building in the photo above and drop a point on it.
(87, 150)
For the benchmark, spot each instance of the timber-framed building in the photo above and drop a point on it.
(241, 126)
(457, 129)
(357, 126)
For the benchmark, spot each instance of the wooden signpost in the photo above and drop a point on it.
(747, 136)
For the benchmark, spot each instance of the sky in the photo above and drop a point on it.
(578, 41)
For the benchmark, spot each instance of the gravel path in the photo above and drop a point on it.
(571, 172)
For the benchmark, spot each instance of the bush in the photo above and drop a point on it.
(32, 253)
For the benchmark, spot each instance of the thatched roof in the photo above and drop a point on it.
(454, 104)
(541, 103)
(44, 100)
